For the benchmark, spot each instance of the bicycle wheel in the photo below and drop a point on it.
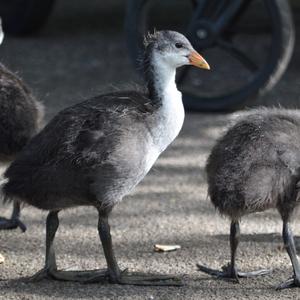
(20, 17)
(248, 44)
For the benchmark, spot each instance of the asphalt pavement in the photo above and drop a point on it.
(81, 53)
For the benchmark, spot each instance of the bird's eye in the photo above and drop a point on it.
(178, 45)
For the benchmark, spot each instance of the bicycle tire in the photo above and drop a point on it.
(284, 34)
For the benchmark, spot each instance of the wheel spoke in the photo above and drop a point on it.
(235, 28)
(240, 12)
(210, 9)
(198, 11)
(204, 9)
(216, 11)
(200, 6)
(227, 15)
(238, 54)
(249, 30)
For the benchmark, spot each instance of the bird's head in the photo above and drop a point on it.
(173, 49)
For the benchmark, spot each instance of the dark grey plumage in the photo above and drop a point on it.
(96, 152)
(256, 166)
(20, 114)
(20, 119)
(75, 157)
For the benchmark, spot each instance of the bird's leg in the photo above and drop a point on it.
(52, 224)
(50, 269)
(230, 271)
(114, 274)
(289, 244)
(234, 242)
(14, 221)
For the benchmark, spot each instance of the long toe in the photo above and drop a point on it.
(261, 272)
(212, 272)
(7, 224)
(290, 283)
(104, 277)
(226, 272)
(61, 275)
(88, 276)
(149, 279)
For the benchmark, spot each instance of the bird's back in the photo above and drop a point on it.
(20, 114)
(93, 150)
(253, 166)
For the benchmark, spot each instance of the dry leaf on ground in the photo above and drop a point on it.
(166, 248)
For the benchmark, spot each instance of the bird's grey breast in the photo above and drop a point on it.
(126, 163)
(141, 139)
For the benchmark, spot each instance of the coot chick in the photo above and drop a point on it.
(20, 119)
(255, 166)
(95, 152)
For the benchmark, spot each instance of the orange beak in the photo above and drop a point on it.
(198, 61)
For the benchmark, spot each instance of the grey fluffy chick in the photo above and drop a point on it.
(21, 117)
(256, 166)
(94, 153)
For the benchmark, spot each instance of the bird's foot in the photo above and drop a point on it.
(40, 275)
(126, 278)
(231, 273)
(102, 276)
(62, 275)
(12, 223)
(290, 283)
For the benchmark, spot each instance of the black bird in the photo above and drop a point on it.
(21, 117)
(253, 167)
(94, 153)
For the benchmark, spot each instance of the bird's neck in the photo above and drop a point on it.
(161, 81)
(170, 111)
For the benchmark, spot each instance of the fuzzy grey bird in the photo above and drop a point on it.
(21, 117)
(95, 152)
(255, 166)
